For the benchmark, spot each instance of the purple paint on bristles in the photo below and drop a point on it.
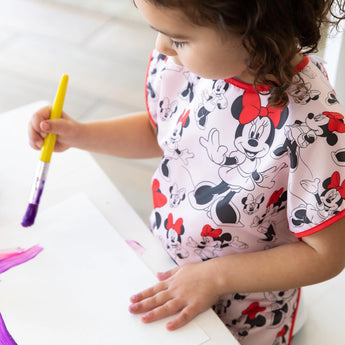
(5, 336)
(11, 258)
(36, 193)
(30, 215)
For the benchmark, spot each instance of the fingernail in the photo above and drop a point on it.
(170, 326)
(134, 298)
(146, 317)
(45, 126)
(163, 275)
(133, 308)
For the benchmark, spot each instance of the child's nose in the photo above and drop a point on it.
(163, 45)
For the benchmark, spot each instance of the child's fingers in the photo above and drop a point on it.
(36, 134)
(57, 126)
(171, 307)
(148, 292)
(40, 115)
(150, 303)
(165, 275)
(35, 138)
(186, 315)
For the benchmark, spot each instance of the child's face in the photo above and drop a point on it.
(200, 49)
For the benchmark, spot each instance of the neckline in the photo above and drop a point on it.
(264, 87)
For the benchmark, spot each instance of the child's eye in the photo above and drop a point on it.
(177, 44)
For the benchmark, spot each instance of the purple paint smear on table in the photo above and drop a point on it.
(136, 246)
(11, 258)
(5, 337)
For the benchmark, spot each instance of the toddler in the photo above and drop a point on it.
(249, 195)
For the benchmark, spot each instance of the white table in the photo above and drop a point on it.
(70, 173)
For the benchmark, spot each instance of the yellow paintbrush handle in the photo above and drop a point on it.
(49, 140)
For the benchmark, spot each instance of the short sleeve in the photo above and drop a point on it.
(153, 81)
(315, 143)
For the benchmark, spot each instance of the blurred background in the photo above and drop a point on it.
(104, 46)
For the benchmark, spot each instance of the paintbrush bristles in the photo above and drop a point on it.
(30, 215)
(36, 193)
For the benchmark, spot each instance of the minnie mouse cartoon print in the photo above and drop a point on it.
(172, 150)
(213, 101)
(213, 241)
(302, 134)
(238, 175)
(240, 169)
(326, 203)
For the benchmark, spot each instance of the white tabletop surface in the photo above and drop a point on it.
(74, 172)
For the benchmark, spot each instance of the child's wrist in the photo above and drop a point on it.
(81, 131)
(218, 276)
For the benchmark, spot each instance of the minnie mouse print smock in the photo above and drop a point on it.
(238, 175)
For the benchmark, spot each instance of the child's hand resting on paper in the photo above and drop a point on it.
(39, 126)
(186, 290)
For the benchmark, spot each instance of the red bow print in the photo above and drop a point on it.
(282, 332)
(335, 123)
(159, 199)
(275, 197)
(335, 183)
(184, 117)
(252, 310)
(208, 231)
(177, 226)
(252, 109)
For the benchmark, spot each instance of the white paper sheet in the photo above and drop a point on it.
(76, 291)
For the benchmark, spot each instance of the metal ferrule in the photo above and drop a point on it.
(40, 178)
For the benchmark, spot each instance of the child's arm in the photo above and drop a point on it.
(193, 288)
(130, 136)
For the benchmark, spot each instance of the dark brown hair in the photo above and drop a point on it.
(272, 32)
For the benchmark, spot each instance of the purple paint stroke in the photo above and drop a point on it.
(5, 337)
(136, 246)
(9, 259)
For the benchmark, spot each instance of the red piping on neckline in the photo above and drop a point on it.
(262, 88)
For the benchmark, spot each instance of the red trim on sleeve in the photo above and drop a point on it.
(146, 95)
(321, 226)
(294, 315)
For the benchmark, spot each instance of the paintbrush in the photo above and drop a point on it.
(46, 153)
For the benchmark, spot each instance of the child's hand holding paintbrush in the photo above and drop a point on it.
(41, 125)
(46, 153)
(128, 136)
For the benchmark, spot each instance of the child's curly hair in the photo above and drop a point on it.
(272, 32)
